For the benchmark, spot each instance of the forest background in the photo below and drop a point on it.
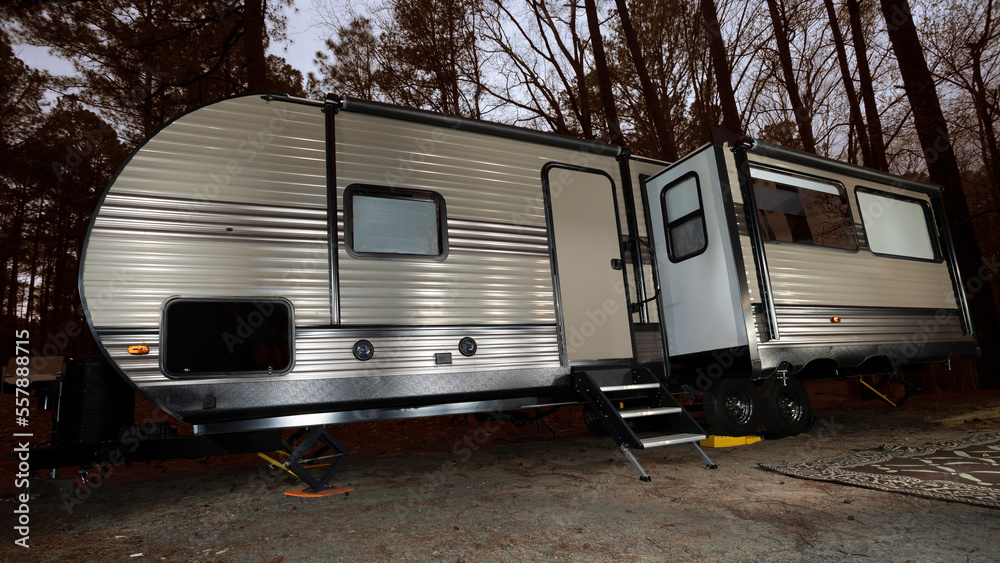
(909, 87)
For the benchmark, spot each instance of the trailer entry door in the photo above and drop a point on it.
(586, 252)
(701, 309)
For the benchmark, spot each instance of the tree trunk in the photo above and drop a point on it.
(17, 235)
(979, 95)
(34, 273)
(253, 44)
(852, 126)
(943, 166)
(58, 277)
(867, 88)
(661, 119)
(803, 118)
(586, 116)
(48, 292)
(852, 95)
(5, 240)
(720, 62)
(603, 75)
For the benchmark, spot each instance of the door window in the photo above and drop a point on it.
(684, 217)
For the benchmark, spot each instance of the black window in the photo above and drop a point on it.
(200, 337)
(684, 218)
(381, 222)
(801, 210)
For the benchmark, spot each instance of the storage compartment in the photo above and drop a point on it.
(238, 336)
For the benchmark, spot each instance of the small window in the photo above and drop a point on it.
(796, 209)
(896, 225)
(200, 337)
(684, 218)
(382, 222)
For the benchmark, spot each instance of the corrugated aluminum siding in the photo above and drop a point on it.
(325, 353)
(259, 169)
(811, 276)
(799, 326)
(498, 270)
(804, 278)
(228, 200)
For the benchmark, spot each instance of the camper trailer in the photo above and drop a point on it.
(273, 262)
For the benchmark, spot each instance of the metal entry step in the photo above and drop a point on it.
(635, 413)
(672, 440)
(645, 396)
(631, 387)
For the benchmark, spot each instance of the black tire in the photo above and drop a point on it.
(593, 422)
(785, 406)
(732, 407)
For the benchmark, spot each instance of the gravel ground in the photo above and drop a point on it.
(529, 495)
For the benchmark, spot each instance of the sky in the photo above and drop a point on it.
(306, 35)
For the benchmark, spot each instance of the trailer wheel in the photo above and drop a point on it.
(732, 407)
(786, 406)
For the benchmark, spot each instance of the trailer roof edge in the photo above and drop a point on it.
(774, 151)
(471, 125)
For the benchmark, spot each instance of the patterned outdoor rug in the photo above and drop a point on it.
(964, 469)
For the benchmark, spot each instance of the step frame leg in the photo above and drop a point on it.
(643, 476)
(704, 457)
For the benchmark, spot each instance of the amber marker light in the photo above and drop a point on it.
(139, 349)
(835, 319)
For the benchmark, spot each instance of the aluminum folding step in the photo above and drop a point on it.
(653, 411)
(648, 397)
(671, 440)
(632, 387)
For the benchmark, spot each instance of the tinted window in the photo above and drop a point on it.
(801, 210)
(226, 337)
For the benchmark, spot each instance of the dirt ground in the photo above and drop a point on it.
(469, 490)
